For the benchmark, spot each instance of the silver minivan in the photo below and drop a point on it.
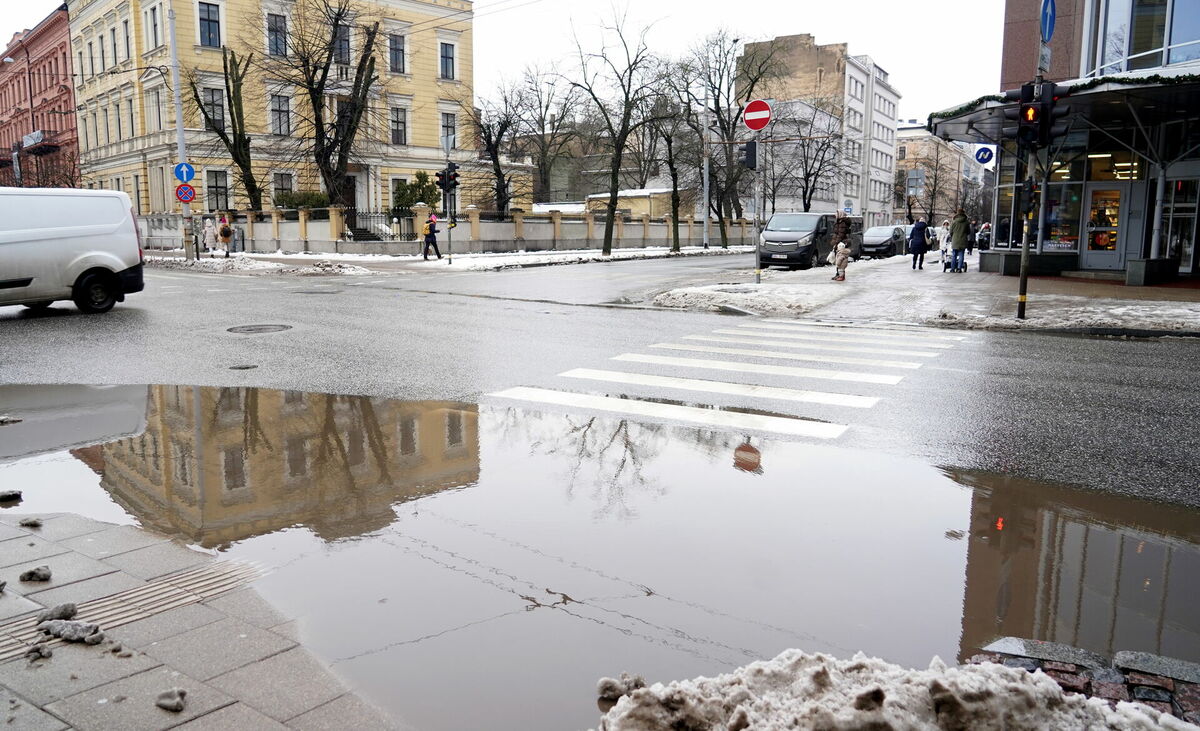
(68, 244)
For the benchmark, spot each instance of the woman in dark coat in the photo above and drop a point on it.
(918, 243)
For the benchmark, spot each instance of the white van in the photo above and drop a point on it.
(65, 243)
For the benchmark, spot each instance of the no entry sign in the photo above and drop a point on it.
(756, 115)
(185, 193)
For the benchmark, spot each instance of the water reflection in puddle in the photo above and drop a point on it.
(481, 566)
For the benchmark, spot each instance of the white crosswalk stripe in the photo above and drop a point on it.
(783, 331)
(753, 338)
(771, 370)
(723, 387)
(891, 334)
(774, 354)
(672, 412)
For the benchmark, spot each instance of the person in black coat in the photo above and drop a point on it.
(431, 233)
(918, 243)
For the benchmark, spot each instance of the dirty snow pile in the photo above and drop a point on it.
(796, 690)
(1062, 311)
(327, 267)
(219, 265)
(503, 260)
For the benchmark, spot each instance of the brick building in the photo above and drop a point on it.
(37, 107)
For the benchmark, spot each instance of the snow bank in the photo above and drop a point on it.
(1063, 311)
(244, 264)
(796, 690)
(503, 260)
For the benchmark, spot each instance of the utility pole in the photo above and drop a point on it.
(180, 140)
(705, 152)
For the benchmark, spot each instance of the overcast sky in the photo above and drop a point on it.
(939, 54)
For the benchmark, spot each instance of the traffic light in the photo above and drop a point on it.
(748, 155)
(1050, 114)
(451, 176)
(1029, 125)
(441, 179)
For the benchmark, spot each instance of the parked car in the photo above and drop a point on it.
(883, 241)
(63, 243)
(803, 239)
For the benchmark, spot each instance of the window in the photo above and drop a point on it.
(217, 196)
(214, 109)
(1185, 27)
(91, 60)
(399, 126)
(454, 429)
(856, 88)
(112, 39)
(449, 131)
(80, 66)
(103, 61)
(107, 129)
(396, 54)
(282, 183)
(117, 114)
(210, 25)
(901, 151)
(235, 468)
(129, 110)
(341, 45)
(297, 457)
(408, 436)
(281, 115)
(277, 35)
(154, 34)
(128, 48)
(447, 61)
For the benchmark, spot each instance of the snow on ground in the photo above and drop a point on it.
(781, 293)
(796, 690)
(501, 260)
(245, 265)
(1063, 311)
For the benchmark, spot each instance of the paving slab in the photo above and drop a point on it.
(73, 669)
(282, 686)
(1047, 651)
(17, 713)
(61, 526)
(158, 560)
(217, 648)
(113, 541)
(88, 589)
(11, 531)
(249, 606)
(129, 703)
(347, 711)
(166, 624)
(238, 717)
(1158, 665)
(290, 630)
(65, 568)
(27, 550)
(14, 605)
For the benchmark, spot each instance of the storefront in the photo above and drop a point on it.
(1130, 136)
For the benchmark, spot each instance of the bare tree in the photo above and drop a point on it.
(224, 116)
(547, 129)
(330, 62)
(936, 186)
(811, 154)
(676, 134)
(619, 82)
(496, 122)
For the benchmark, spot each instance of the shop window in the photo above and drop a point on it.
(1063, 208)
(1119, 165)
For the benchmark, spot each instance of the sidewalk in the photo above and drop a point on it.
(890, 290)
(172, 617)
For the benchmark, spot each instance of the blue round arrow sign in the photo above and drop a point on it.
(185, 172)
(1049, 11)
(984, 155)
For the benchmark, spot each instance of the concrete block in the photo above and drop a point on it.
(238, 717)
(1158, 665)
(217, 648)
(27, 549)
(347, 711)
(166, 624)
(247, 605)
(113, 541)
(87, 589)
(17, 713)
(65, 568)
(158, 560)
(282, 686)
(1047, 651)
(129, 703)
(73, 669)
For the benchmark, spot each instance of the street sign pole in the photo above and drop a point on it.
(758, 197)
(449, 216)
(180, 139)
(756, 115)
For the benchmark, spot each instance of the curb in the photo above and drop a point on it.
(1102, 332)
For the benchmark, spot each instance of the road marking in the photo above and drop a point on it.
(217, 290)
(814, 357)
(865, 330)
(785, 331)
(723, 387)
(756, 338)
(158, 275)
(690, 414)
(770, 370)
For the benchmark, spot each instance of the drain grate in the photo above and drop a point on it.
(169, 592)
(258, 329)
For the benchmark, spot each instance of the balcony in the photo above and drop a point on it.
(42, 142)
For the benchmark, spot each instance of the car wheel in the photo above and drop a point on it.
(39, 306)
(95, 293)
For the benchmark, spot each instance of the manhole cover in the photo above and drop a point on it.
(242, 367)
(258, 329)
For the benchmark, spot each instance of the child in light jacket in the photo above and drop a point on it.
(841, 258)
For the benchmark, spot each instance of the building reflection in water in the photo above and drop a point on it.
(1095, 571)
(217, 465)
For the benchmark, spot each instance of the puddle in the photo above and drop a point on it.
(472, 566)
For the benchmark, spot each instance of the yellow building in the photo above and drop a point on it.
(423, 57)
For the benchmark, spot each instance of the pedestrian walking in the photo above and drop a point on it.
(841, 259)
(941, 237)
(430, 230)
(210, 235)
(918, 243)
(960, 234)
(973, 237)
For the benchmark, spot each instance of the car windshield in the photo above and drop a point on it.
(794, 222)
(880, 230)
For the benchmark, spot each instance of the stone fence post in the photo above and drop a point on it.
(518, 218)
(473, 217)
(276, 217)
(337, 223)
(304, 227)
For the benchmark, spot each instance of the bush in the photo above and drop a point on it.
(302, 199)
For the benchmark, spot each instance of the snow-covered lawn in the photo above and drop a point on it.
(781, 292)
(796, 690)
(1064, 311)
(242, 264)
(504, 260)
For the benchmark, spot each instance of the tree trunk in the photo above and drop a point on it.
(614, 182)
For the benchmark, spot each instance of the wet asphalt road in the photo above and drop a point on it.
(1111, 415)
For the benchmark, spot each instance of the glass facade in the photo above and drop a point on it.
(1142, 34)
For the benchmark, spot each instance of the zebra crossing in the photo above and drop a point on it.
(718, 379)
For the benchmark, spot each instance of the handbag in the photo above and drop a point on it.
(832, 256)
